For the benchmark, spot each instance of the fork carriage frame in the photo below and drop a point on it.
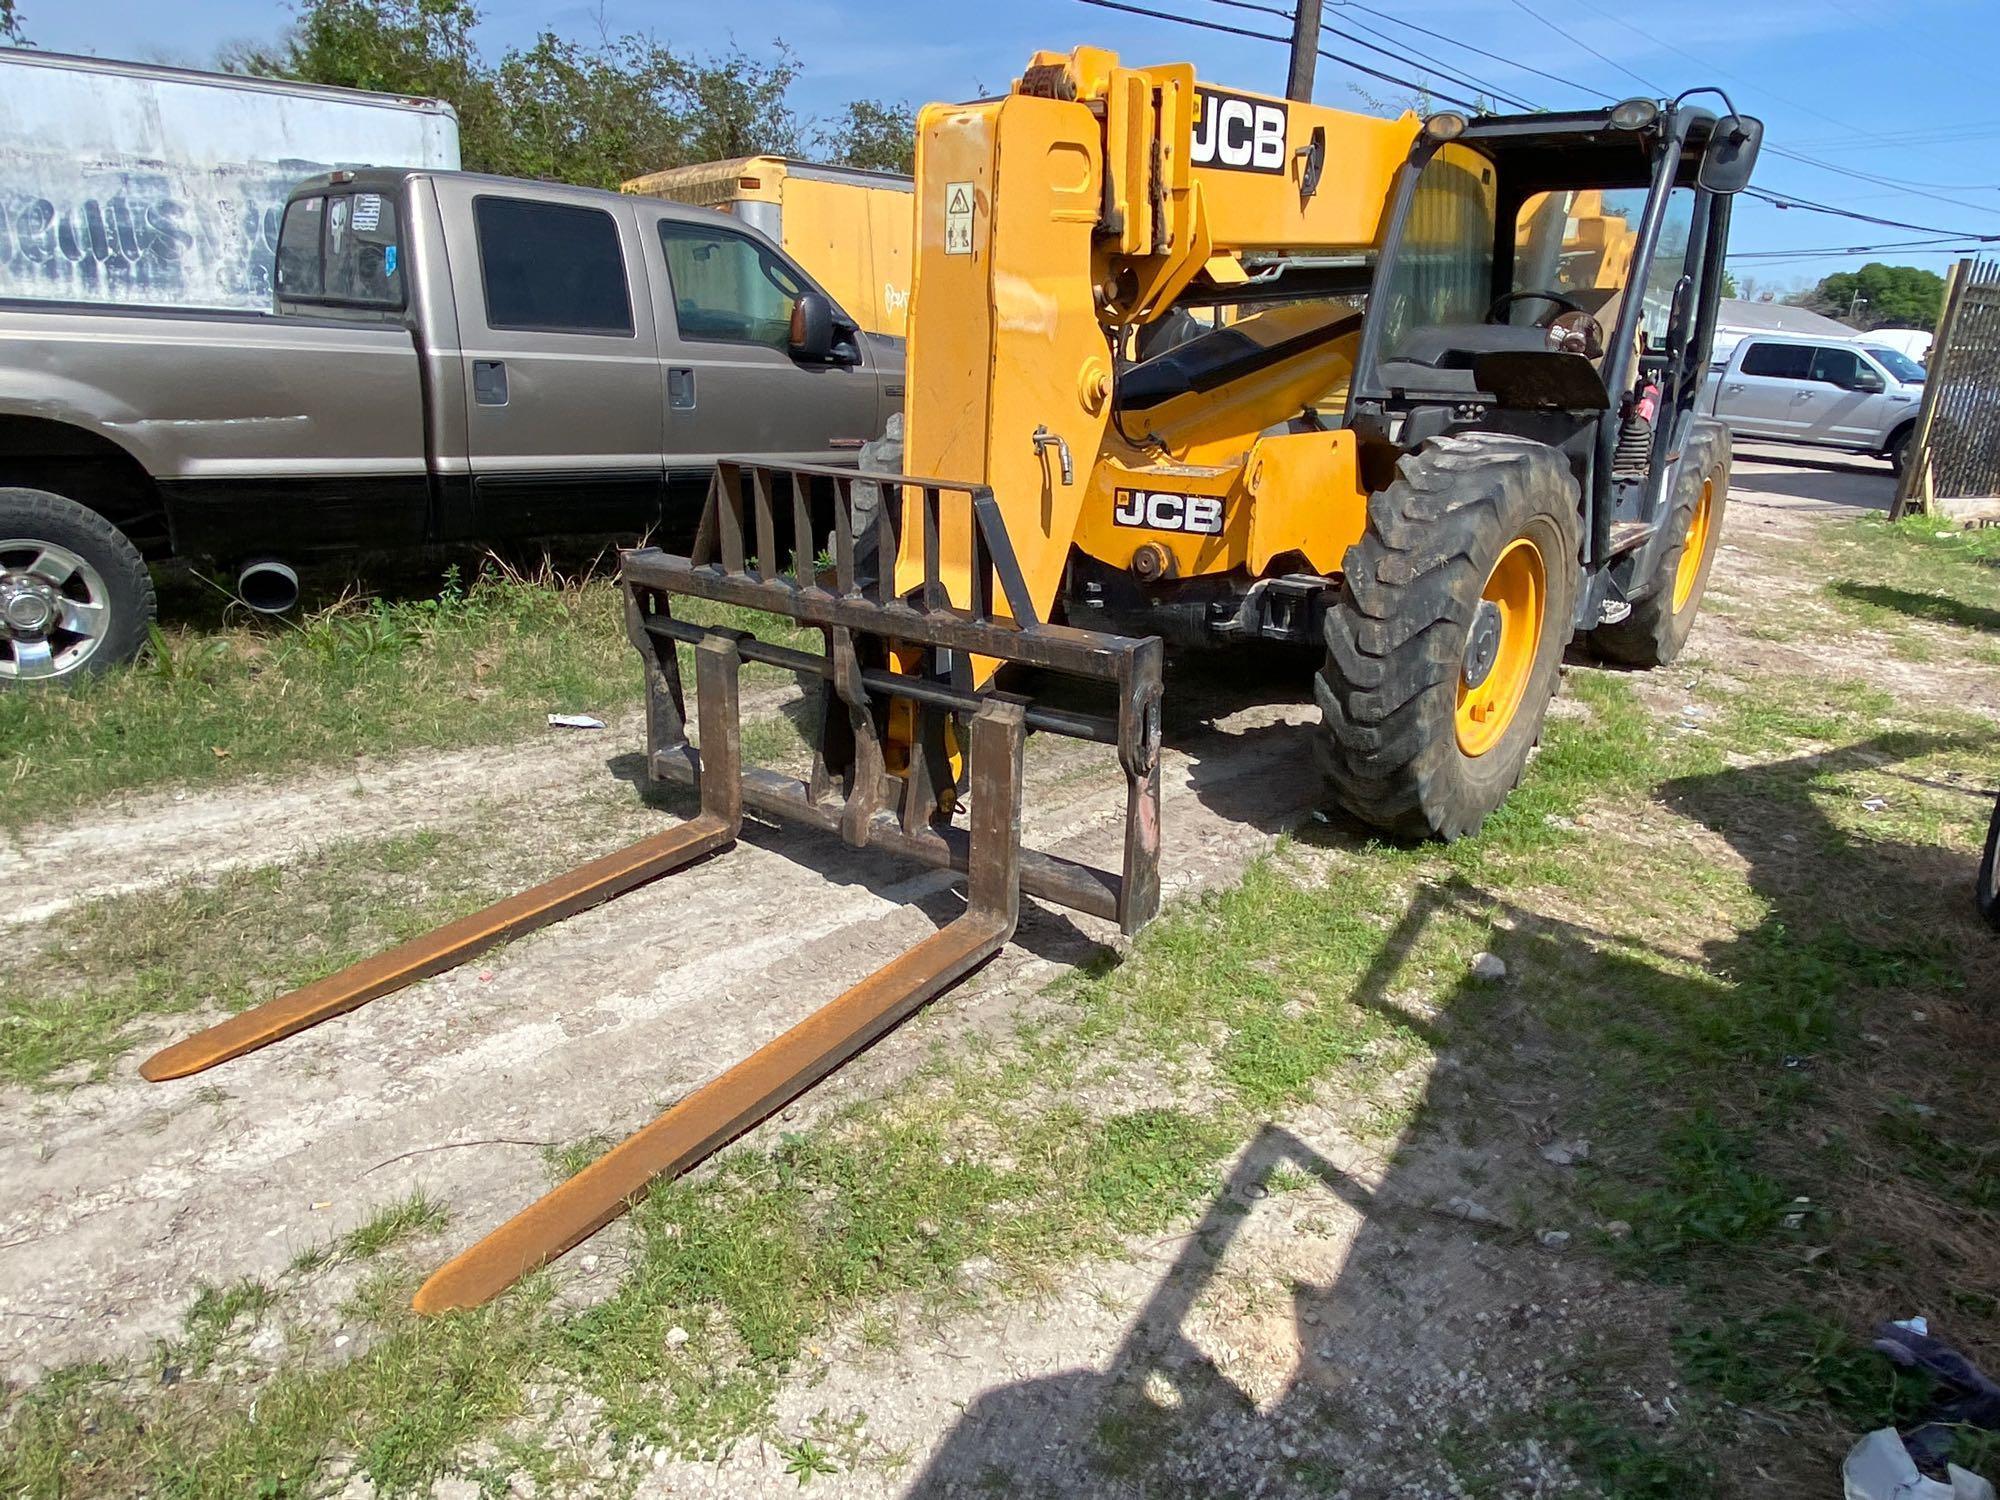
(884, 644)
(865, 621)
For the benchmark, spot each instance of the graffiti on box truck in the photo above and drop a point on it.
(143, 233)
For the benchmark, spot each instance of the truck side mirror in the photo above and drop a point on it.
(812, 328)
(1867, 381)
(1731, 153)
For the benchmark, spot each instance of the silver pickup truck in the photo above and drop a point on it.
(1826, 393)
(455, 361)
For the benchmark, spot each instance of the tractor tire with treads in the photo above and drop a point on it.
(1446, 644)
(1656, 630)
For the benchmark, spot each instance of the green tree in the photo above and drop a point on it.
(420, 47)
(871, 133)
(595, 115)
(734, 105)
(1879, 296)
(10, 25)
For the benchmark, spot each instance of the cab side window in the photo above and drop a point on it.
(1779, 361)
(1836, 366)
(341, 251)
(551, 267)
(728, 288)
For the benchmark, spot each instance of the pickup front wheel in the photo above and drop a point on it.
(75, 596)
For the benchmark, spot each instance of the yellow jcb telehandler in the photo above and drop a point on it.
(1444, 427)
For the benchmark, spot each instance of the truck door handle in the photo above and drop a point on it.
(1736, 387)
(489, 382)
(680, 388)
(1802, 395)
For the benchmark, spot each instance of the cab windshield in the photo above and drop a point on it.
(1568, 254)
(1898, 364)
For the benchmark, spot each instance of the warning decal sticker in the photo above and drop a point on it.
(958, 218)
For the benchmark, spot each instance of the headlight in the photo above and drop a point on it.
(1634, 114)
(1445, 127)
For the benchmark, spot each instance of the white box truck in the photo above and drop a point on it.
(162, 187)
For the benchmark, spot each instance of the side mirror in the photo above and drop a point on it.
(1731, 153)
(1868, 382)
(812, 328)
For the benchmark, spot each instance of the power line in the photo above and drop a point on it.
(1418, 60)
(1815, 250)
(1436, 65)
(1480, 51)
(1787, 200)
(1776, 200)
(1915, 189)
(1577, 41)
(1265, 36)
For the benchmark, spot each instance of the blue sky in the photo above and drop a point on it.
(1897, 89)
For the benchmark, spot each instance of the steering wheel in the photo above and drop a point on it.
(1497, 313)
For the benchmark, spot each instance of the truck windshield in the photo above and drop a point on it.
(1898, 364)
(341, 250)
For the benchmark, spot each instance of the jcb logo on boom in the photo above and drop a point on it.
(1242, 135)
(1162, 510)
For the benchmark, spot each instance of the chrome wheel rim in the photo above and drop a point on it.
(54, 610)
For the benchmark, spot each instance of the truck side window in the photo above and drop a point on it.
(1780, 361)
(341, 251)
(728, 288)
(1835, 366)
(299, 271)
(551, 267)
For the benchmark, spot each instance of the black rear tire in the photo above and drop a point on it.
(1657, 629)
(1396, 642)
(75, 596)
(1988, 891)
(1898, 451)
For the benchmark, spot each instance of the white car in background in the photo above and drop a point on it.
(1859, 395)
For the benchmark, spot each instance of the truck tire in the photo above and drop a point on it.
(1898, 449)
(1656, 630)
(75, 596)
(1988, 891)
(1446, 644)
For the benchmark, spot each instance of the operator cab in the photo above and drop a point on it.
(1555, 275)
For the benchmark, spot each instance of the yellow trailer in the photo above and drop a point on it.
(851, 228)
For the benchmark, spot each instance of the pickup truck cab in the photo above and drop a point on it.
(1822, 392)
(455, 361)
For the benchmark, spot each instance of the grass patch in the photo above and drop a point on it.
(406, 1219)
(1705, 928)
(211, 703)
(78, 1001)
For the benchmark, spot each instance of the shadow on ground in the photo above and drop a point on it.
(1442, 1355)
(1937, 608)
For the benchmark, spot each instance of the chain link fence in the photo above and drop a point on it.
(1956, 451)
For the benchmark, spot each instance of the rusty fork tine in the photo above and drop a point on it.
(451, 945)
(784, 1068)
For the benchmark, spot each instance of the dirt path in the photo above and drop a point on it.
(129, 1195)
(1358, 1291)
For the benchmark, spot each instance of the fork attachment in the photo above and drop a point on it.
(903, 673)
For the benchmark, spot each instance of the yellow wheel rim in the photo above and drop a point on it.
(1695, 548)
(1501, 647)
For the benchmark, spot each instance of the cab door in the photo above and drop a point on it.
(724, 309)
(1763, 392)
(1850, 404)
(560, 361)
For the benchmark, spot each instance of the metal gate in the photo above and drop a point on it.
(1956, 452)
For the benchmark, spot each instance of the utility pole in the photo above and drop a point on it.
(1305, 50)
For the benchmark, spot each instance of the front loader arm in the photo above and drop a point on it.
(1085, 202)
